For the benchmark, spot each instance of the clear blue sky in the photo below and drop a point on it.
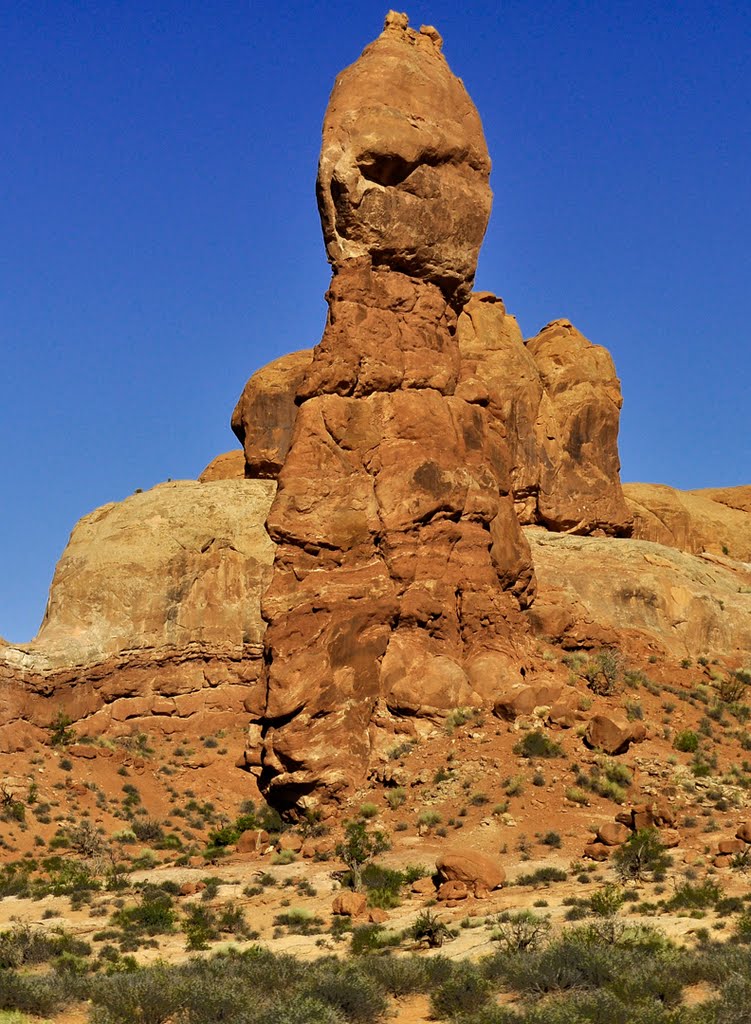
(160, 239)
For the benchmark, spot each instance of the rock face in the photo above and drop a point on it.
(154, 613)
(265, 414)
(593, 592)
(400, 559)
(558, 399)
(404, 167)
(717, 521)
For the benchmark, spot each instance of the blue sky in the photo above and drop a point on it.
(160, 239)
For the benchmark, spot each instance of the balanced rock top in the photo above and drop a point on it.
(404, 166)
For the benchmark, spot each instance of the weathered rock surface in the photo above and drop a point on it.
(477, 871)
(400, 560)
(404, 167)
(592, 591)
(559, 400)
(227, 466)
(154, 613)
(607, 734)
(265, 414)
(717, 521)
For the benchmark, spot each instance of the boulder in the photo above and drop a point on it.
(252, 841)
(476, 870)
(522, 700)
(377, 916)
(731, 846)
(349, 904)
(612, 833)
(227, 466)
(291, 841)
(453, 890)
(596, 851)
(423, 887)
(744, 832)
(606, 734)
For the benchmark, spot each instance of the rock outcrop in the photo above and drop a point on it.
(265, 413)
(717, 521)
(400, 559)
(593, 592)
(558, 399)
(154, 615)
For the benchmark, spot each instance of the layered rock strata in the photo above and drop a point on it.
(153, 616)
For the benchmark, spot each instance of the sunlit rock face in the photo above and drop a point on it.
(404, 167)
(401, 567)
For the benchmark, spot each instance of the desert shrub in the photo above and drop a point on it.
(359, 848)
(299, 921)
(348, 988)
(537, 744)
(149, 995)
(430, 929)
(552, 839)
(383, 886)
(464, 992)
(520, 931)
(30, 993)
(732, 689)
(577, 795)
(695, 897)
(640, 856)
(299, 1009)
(542, 876)
(399, 976)
(395, 797)
(148, 830)
(61, 735)
(686, 741)
(153, 914)
(603, 672)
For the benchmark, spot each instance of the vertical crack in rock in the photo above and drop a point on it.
(401, 567)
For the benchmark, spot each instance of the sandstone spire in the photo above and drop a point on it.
(400, 565)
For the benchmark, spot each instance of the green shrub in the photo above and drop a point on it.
(542, 876)
(537, 744)
(641, 855)
(686, 741)
(465, 992)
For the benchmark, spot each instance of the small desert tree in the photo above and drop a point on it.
(359, 847)
(640, 856)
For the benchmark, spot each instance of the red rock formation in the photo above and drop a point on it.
(400, 558)
(265, 414)
(559, 400)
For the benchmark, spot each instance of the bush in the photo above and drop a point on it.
(359, 848)
(640, 856)
(542, 876)
(429, 928)
(520, 931)
(686, 741)
(466, 991)
(603, 671)
(537, 744)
